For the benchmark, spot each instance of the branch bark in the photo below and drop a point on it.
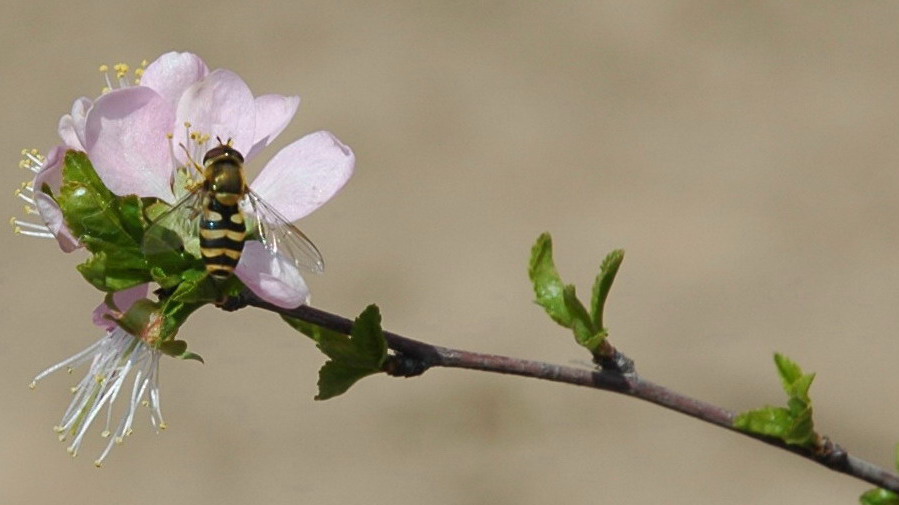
(414, 357)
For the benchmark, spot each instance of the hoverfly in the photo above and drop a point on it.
(219, 213)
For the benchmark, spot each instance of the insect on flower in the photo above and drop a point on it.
(220, 213)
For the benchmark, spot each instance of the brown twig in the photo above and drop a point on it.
(414, 357)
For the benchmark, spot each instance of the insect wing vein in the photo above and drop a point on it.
(280, 237)
(170, 230)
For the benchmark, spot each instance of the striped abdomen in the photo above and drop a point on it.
(222, 233)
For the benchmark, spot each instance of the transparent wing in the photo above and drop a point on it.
(280, 237)
(176, 229)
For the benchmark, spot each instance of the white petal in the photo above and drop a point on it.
(305, 174)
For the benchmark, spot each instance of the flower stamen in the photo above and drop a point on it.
(121, 79)
(113, 358)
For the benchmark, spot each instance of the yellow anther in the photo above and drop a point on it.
(32, 385)
(17, 230)
(98, 463)
(136, 82)
(163, 426)
(61, 438)
(119, 440)
(121, 67)
(106, 89)
(144, 63)
(104, 68)
(139, 72)
(12, 222)
(35, 152)
(170, 136)
(105, 434)
(187, 124)
(24, 152)
(58, 429)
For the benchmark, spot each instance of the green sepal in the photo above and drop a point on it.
(352, 357)
(157, 324)
(879, 496)
(558, 299)
(794, 424)
(603, 284)
(178, 349)
(143, 320)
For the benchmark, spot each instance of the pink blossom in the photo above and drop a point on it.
(131, 135)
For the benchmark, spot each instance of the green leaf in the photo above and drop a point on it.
(879, 497)
(558, 299)
(335, 378)
(794, 424)
(165, 253)
(352, 357)
(603, 284)
(107, 274)
(771, 421)
(109, 226)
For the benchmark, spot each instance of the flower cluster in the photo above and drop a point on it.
(142, 136)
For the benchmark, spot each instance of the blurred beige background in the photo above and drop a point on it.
(743, 153)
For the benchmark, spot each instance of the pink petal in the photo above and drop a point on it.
(71, 126)
(172, 73)
(273, 114)
(51, 171)
(126, 141)
(273, 278)
(123, 301)
(53, 218)
(220, 105)
(51, 175)
(305, 174)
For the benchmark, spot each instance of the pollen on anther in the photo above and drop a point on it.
(104, 68)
